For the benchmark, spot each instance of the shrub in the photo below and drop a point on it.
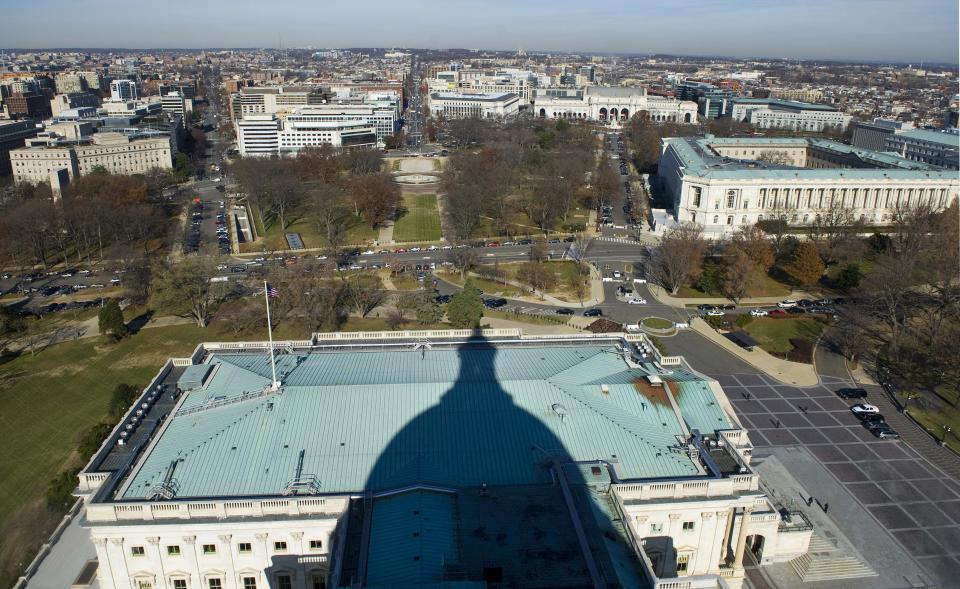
(91, 441)
(59, 490)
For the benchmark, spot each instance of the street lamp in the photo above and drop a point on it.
(946, 429)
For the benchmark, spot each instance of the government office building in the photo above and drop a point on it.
(483, 105)
(726, 183)
(270, 134)
(453, 458)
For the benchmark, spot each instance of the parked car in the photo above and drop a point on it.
(872, 418)
(884, 432)
(638, 301)
(564, 311)
(852, 393)
(787, 304)
(593, 313)
(715, 313)
(776, 312)
(758, 313)
(863, 408)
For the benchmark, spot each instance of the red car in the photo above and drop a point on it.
(776, 312)
(493, 244)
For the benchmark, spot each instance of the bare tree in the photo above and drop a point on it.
(185, 288)
(679, 258)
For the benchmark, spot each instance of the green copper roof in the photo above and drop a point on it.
(387, 419)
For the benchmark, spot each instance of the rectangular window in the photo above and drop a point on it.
(688, 526)
(179, 584)
(214, 583)
(731, 198)
(683, 561)
(244, 548)
(249, 583)
(284, 582)
(316, 544)
(137, 551)
(280, 546)
(209, 548)
(144, 584)
(173, 550)
(656, 529)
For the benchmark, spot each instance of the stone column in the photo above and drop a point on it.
(155, 542)
(105, 570)
(263, 540)
(719, 543)
(742, 538)
(231, 581)
(706, 518)
(118, 546)
(191, 545)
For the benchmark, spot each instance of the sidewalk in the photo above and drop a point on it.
(661, 295)
(793, 373)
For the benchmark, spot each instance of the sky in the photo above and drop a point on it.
(869, 30)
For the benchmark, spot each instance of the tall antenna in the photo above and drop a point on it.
(274, 385)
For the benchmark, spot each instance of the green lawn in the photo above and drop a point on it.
(765, 287)
(421, 222)
(774, 334)
(657, 323)
(488, 287)
(934, 418)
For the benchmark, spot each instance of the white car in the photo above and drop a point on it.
(758, 313)
(367, 253)
(864, 409)
(715, 313)
(637, 301)
(787, 304)
(616, 274)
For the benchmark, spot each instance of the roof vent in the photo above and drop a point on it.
(605, 389)
(560, 410)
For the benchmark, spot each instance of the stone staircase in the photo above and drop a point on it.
(825, 562)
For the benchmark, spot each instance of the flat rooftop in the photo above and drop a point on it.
(699, 159)
(375, 419)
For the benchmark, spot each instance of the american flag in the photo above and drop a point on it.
(272, 291)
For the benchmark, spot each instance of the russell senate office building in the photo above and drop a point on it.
(726, 183)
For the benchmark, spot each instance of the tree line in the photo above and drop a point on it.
(536, 168)
(332, 189)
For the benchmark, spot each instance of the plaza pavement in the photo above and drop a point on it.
(900, 509)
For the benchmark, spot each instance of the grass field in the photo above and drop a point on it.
(766, 287)
(489, 287)
(934, 418)
(421, 222)
(774, 335)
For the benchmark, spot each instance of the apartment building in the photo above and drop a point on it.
(116, 152)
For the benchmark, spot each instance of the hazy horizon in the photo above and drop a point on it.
(885, 31)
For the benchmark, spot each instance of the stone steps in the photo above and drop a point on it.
(824, 562)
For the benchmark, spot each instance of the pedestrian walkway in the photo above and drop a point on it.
(661, 295)
(386, 233)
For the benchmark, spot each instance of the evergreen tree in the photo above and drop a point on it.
(111, 320)
(466, 308)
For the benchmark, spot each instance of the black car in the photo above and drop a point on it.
(564, 311)
(593, 313)
(796, 310)
(705, 307)
(852, 393)
(805, 303)
(494, 303)
(872, 418)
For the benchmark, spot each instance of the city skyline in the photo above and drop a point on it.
(887, 31)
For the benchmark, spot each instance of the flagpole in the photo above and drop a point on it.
(273, 366)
